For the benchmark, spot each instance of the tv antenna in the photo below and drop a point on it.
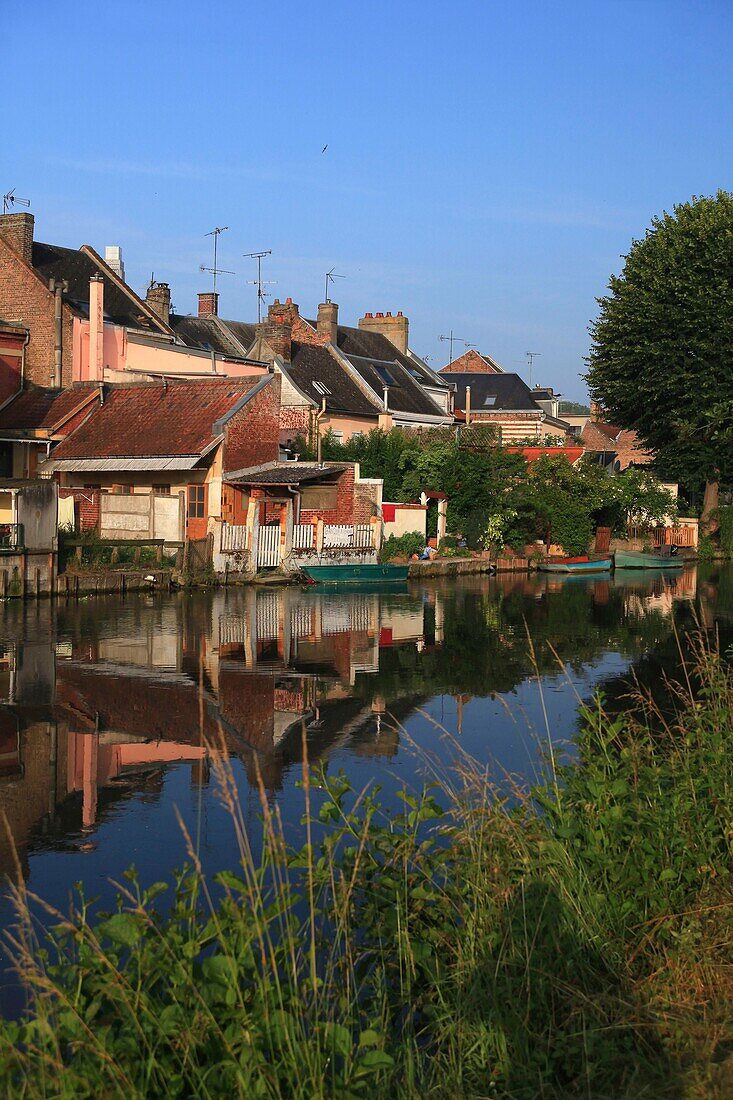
(330, 276)
(259, 282)
(531, 356)
(451, 338)
(10, 200)
(216, 270)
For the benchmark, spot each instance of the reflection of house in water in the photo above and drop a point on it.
(85, 722)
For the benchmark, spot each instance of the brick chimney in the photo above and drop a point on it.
(208, 304)
(328, 319)
(17, 231)
(158, 298)
(394, 328)
(283, 311)
(278, 334)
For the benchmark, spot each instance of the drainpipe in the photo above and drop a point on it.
(57, 288)
(319, 416)
(26, 342)
(468, 405)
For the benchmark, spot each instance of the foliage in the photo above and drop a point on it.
(494, 537)
(725, 529)
(660, 355)
(545, 945)
(573, 408)
(402, 546)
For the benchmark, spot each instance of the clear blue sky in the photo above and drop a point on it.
(487, 163)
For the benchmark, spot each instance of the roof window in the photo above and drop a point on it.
(489, 400)
(386, 376)
(322, 388)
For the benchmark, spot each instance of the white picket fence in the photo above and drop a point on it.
(234, 537)
(303, 536)
(347, 536)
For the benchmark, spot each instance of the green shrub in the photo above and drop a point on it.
(402, 546)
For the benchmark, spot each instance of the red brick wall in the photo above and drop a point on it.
(86, 506)
(24, 298)
(351, 506)
(10, 366)
(296, 419)
(253, 434)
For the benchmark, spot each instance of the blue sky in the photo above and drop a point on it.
(487, 163)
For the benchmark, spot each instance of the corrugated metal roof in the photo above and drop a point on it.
(104, 465)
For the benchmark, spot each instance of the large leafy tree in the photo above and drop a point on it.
(661, 360)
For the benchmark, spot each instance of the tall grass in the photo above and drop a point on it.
(573, 942)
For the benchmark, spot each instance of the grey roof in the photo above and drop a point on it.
(405, 393)
(106, 465)
(311, 364)
(374, 345)
(285, 473)
(508, 391)
(76, 267)
(230, 338)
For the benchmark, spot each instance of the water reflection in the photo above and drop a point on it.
(99, 701)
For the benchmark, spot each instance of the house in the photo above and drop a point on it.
(472, 362)
(148, 459)
(612, 447)
(505, 402)
(28, 537)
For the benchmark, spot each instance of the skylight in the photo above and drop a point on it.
(490, 400)
(322, 388)
(386, 376)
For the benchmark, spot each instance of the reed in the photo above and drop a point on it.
(572, 940)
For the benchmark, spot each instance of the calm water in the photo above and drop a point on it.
(106, 705)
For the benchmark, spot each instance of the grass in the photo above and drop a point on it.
(574, 940)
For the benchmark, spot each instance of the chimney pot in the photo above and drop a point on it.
(288, 301)
(389, 313)
(379, 315)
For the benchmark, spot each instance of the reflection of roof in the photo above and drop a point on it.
(76, 267)
(494, 392)
(173, 418)
(41, 408)
(286, 473)
(311, 364)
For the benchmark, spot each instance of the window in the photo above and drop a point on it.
(489, 400)
(337, 435)
(385, 375)
(196, 501)
(322, 388)
(319, 498)
(161, 490)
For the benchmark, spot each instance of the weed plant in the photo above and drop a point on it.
(574, 940)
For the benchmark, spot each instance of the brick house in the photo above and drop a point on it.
(153, 453)
(472, 362)
(506, 402)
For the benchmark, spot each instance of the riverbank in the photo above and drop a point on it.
(572, 942)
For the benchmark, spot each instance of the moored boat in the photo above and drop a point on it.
(635, 559)
(580, 564)
(356, 574)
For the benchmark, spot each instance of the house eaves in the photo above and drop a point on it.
(125, 289)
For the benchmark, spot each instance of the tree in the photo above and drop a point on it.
(662, 346)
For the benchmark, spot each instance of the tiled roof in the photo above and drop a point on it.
(311, 364)
(77, 268)
(405, 393)
(231, 338)
(508, 391)
(36, 408)
(286, 473)
(630, 452)
(156, 419)
(596, 437)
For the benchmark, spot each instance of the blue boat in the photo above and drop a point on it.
(580, 565)
(356, 574)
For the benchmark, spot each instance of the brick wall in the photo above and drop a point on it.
(86, 506)
(253, 434)
(25, 298)
(352, 506)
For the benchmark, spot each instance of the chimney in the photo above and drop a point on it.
(158, 298)
(595, 411)
(209, 304)
(17, 231)
(96, 328)
(394, 328)
(113, 259)
(283, 311)
(328, 319)
(278, 335)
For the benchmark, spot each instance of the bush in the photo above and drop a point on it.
(402, 546)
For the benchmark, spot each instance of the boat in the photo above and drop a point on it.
(578, 565)
(356, 574)
(635, 559)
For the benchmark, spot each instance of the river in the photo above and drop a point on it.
(107, 706)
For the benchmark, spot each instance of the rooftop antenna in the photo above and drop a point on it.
(451, 337)
(215, 270)
(531, 356)
(259, 282)
(10, 200)
(330, 276)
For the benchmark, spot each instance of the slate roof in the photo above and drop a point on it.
(310, 363)
(374, 345)
(77, 268)
(37, 408)
(230, 338)
(405, 393)
(156, 419)
(508, 390)
(285, 473)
